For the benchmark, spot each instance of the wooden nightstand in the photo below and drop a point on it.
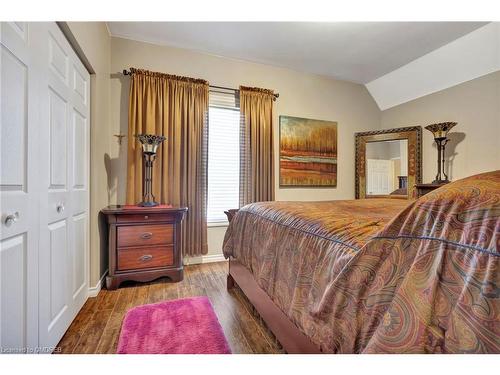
(144, 243)
(423, 189)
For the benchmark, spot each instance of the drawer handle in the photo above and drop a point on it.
(146, 258)
(146, 235)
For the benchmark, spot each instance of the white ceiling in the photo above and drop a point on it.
(352, 51)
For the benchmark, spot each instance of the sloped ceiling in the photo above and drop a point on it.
(396, 61)
(353, 51)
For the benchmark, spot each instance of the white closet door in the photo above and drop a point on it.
(380, 176)
(19, 141)
(64, 211)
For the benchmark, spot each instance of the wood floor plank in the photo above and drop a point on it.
(109, 339)
(141, 294)
(125, 299)
(96, 329)
(111, 333)
(75, 330)
(247, 324)
(157, 291)
(171, 291)
(221, 268)
(91, 336)
(231, 325)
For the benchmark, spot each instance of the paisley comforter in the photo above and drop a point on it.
(382, 276)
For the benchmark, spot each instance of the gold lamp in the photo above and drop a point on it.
(440, 131)
(150, 144)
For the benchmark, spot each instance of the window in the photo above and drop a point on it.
(223, 154)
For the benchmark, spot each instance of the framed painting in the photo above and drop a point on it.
(308, 152)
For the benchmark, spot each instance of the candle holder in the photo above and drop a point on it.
(150, 143)
(439, 131)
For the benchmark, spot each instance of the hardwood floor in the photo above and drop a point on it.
(97, 326)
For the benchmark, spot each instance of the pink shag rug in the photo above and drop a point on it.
(182, 326)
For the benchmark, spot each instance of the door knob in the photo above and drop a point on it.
(11, 219)
(60, 208)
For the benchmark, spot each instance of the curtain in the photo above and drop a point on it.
(177, 108)
(256, 145)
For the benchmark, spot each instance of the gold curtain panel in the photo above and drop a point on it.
(256, 145)
(177, 108)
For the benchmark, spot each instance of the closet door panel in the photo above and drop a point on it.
(55, 308)
(58, 270)
(55, 226)
(58, 57)
(58, 132)
(64, 219)
(14, 121)
(79, 159)
(44, 190)
(14, 152)
(19, 194)
(78, 258)
(80, 85)
(58, 136)
(14, 309)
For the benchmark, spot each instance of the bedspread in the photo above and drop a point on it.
(382, 275)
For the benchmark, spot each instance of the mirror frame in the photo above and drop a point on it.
(414, 136)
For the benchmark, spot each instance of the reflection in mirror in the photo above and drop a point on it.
(388, 163)
(387, 168)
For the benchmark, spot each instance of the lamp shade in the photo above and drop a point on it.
(440, 130)
(150, 142)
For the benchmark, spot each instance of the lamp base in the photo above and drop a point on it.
(148, 204)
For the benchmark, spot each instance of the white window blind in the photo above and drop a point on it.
(223, 154)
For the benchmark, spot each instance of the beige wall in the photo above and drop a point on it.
(475, 142)
(93, 40)
(301, 94)
(474, 105)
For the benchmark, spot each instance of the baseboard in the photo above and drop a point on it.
(94, 291)
(212, 258)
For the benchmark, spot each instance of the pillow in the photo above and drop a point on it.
(465, 212)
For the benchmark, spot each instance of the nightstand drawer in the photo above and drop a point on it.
(143, 235)
(143, 218)
(145, 257)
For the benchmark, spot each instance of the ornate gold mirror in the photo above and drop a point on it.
(388, 163)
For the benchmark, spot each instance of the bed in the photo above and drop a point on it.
(375, 275)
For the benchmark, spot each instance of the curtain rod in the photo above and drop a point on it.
(127, 73)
